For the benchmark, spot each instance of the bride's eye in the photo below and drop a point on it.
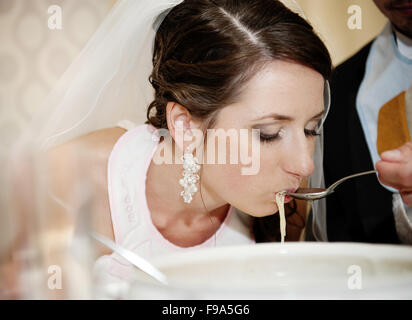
(311, 133)
(270, 137)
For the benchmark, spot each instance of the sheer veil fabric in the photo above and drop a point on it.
(108, 82)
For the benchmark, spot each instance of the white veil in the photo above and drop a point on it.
(317, 180)
(109, 82)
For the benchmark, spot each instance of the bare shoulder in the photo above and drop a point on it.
(85, 156)
(99, 143)
(101, 140)
(79, 166)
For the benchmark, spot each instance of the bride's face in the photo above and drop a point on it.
(285, 102)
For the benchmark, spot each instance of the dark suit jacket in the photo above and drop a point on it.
(360, 210)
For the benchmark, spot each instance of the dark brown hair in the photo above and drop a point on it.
(205, 52)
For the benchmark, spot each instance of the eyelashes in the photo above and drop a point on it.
(312, 133)
(267, 138)
(272, 138)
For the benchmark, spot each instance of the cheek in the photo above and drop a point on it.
(266, 175)
(228, 179)
(271, 157)
(252, 194)
(312, 146)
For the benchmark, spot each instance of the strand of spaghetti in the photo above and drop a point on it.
(280, 201)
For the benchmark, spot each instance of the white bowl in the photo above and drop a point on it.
(299, 270)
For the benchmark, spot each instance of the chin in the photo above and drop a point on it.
(261, 211)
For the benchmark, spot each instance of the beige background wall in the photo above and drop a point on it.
(330, 17)
(33, 57)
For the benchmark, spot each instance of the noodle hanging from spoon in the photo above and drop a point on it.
(280, 201)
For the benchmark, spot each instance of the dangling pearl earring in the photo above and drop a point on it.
(190, 166)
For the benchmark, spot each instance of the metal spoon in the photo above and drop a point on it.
(133, 258)
(319, 193)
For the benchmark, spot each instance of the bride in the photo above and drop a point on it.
(217, 66)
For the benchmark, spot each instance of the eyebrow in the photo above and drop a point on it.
(277, 116)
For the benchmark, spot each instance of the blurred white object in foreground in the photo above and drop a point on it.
(283, 271)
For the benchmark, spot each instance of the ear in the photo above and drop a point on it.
(182, 127)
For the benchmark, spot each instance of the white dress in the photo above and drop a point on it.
(132, 223)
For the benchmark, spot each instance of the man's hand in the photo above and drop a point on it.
(395, 170)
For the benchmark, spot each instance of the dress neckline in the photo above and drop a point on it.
(148, 218)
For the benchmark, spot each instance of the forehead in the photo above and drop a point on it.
(285, 87)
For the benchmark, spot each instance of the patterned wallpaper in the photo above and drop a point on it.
(34, 53)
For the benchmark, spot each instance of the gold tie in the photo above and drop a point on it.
(395, 122)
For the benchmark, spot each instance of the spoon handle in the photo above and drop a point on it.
(334, 185)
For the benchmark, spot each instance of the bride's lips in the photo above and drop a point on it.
(287, 198)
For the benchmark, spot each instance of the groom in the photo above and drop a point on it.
(370, 114)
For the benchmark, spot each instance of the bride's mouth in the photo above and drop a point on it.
(287, 198)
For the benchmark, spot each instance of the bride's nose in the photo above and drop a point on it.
(299, 160)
